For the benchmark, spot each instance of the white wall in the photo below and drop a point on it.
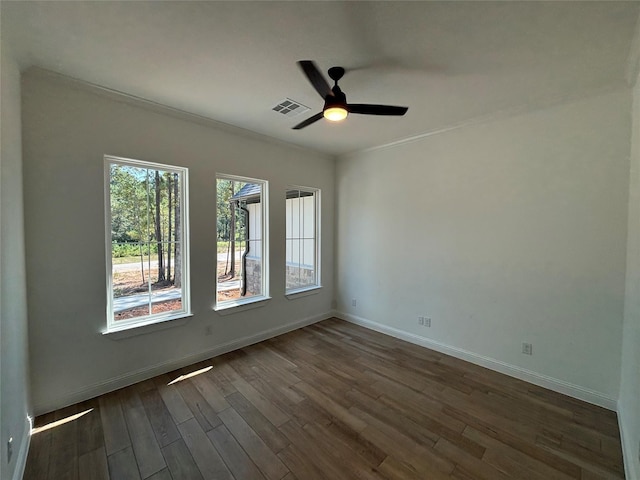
(67, 129)
(629, 401)
(506, 232)
(14, 379)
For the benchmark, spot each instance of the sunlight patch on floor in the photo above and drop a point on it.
(189, 375)
(57, 423)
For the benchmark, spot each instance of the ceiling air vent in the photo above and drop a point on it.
(290, 108)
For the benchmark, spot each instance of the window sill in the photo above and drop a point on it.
(235, 306)
(303, 292)
(151, 325)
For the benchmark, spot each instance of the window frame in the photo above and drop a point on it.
(308, 289)
(229, 306)
(114, 326)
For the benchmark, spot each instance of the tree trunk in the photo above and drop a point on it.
(232, 238)
(161, 272)
(177, 257)
(169, 215)
(141, 262)
(137, 220)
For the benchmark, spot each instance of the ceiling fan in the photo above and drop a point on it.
(336, 107)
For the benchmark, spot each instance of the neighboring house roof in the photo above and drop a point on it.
(249, 193)
(298, 193)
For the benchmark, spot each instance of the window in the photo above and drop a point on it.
(242, 275)
(302, 237)
(147, 248)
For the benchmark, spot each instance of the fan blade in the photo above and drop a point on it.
(309, 121)
(316, 78)
(370, 109)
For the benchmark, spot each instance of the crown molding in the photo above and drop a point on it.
(498, 115)
(119, 96)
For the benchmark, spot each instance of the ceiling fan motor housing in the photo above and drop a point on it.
(338, 99)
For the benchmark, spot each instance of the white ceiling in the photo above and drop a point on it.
(449, 62)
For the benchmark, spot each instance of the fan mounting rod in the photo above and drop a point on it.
(336, 73)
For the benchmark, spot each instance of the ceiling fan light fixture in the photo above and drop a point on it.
(336, 107)
(335, 113)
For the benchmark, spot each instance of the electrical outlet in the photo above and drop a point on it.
(527, 348)
(427, 322)
(9, 449)
(420, 320)
(354, 303)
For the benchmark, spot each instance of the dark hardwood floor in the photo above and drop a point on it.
(330, 401)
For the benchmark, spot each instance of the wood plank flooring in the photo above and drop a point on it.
(330, 401)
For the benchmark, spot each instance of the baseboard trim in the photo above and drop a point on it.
(23, 453)
(115, 383)
(560, 386)
(628, 448)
